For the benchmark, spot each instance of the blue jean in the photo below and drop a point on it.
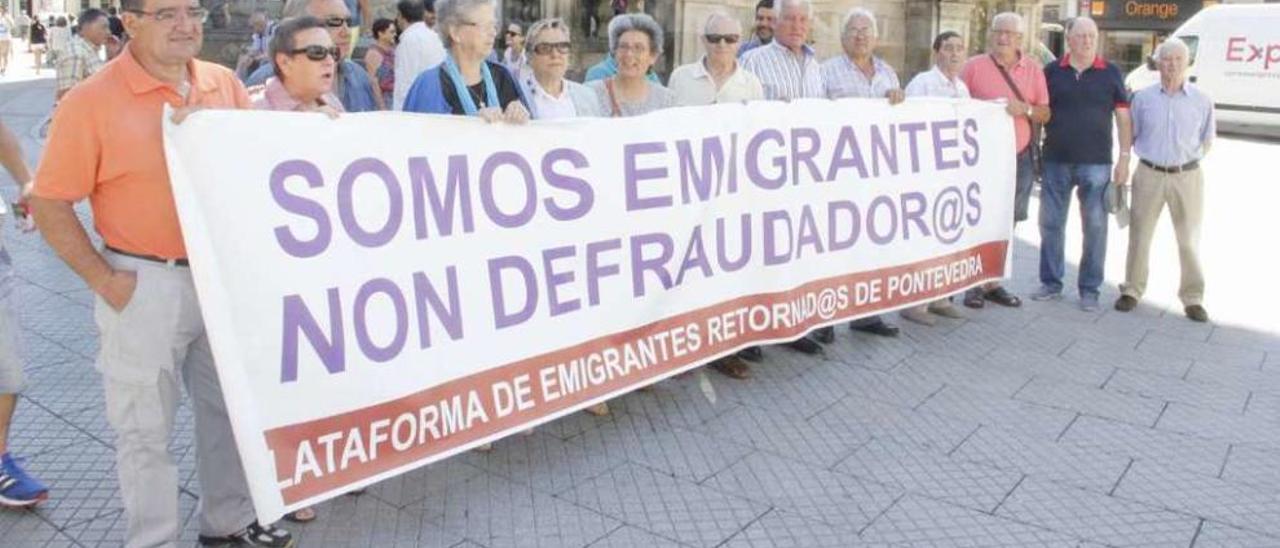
(1090, 181)
(1024, 179)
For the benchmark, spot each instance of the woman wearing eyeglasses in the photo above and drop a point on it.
(635, 41)
(467, 84)
(716, 78)
(306, 61)
(550, 95)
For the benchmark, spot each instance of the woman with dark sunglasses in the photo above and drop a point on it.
(306, 61)
(550, 94)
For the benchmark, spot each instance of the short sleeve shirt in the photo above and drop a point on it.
(1083, 106)
(693, 85)
(933, 83)
(985, 83)
(841, 78)
(105, 144)
(784, 75)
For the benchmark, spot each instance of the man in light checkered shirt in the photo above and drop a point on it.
(83, 57)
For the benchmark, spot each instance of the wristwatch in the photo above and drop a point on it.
(1028, 111)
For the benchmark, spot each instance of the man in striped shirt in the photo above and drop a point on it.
(788, 67)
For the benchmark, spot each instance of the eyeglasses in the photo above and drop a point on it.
(335, 22)
(721, 38)
(317, 52)
(169, 15)
(546, 48)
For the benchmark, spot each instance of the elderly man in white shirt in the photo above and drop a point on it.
(859, 73)
(787, 67)
(551, 96)
(420, 49)
(716, 78)
(941, 80)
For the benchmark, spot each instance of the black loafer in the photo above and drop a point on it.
(805, 345)
(1002, 296)
(973, 298)
(825, 335)
(881, 328)
(1197, 313)
(751, 354)
(1126, 303)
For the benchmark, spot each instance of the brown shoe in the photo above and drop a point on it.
(1126, 303)
(1197, 313)
(733, 367)
(600, 409)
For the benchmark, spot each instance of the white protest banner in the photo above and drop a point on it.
(383, 291)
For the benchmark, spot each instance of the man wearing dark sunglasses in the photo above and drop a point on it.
(716, 78)
(352, 86)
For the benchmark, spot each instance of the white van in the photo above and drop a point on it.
(1235, 58)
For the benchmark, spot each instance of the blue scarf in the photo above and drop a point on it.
(460, 86)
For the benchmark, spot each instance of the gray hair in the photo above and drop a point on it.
(1012, 16)
(1172, 43)
(449, 14)
(780, 5)
(1071, 24)
(642, 22)
(719, 15)
(863, 13)
(296, 8)
(553, 23)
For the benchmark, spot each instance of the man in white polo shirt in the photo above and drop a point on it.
(716, 78)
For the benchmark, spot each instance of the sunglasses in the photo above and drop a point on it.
(546, 48)
(337, 22)
(721, 38)
(318, 53)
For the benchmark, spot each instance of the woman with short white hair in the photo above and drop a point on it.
(548, 48)
(635, 41)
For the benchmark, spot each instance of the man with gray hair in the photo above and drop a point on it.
(354, 88)
(1173, 127)
(1007, 75)
(787, 67)
(716, 78)
(859, 72)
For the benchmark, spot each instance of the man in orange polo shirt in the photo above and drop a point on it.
(105, 144)
(1006, 74)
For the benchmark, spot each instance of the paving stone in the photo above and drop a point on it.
(1044, 362)
(111, 528)
(497, 512)
(813, 442)
(1066, 464)
(902, 387)
(1097, 517)
(800, 397)
(1215, 397)
(82, 483)
(673, 508)
(1247, 377)
(1218, 535)
(870, 351)
(976, 486)
(66, 388)
(1207, 424)
(23, 528)
(368, 521)
(1178, 347)
(34, 431)
(781, 529)
(1241, 336)
(1091, 400)
(66, 323)
(429, 481)
(1170, 325)
(574, 424)
(1264, 406)
(38, 351)
(928, 430)
(919, 521)
(998, 411)
(972, 340)
(1235, 504)
(681, 453)
(628, 536)
(1127, 358)
(955, 371)
(678, 402)
(1252, 466)
(1164, 447)
(544, 461)
(839, 500)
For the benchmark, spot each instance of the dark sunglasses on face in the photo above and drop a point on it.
(317, 52)
(335, 22)
(546, 48)
(721, 38)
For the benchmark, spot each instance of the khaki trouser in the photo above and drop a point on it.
(149, 349)
(1184, 194)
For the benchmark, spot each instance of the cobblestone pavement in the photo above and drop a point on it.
(1039, 426)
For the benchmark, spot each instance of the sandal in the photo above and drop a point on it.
(973, 298)
(302, 515)
(1001, 296)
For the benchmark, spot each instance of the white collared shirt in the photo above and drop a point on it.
(547, 106)
(420, 49)
(783, 75)
(933, 83)
(841, 78)
(693, 85)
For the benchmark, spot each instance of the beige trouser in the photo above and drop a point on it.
(149, 351)
(1184, 194)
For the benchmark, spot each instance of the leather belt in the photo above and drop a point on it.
(1194, 164)
(171, 262)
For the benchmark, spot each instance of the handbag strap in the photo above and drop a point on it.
(1008, 80)
(613, 99)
